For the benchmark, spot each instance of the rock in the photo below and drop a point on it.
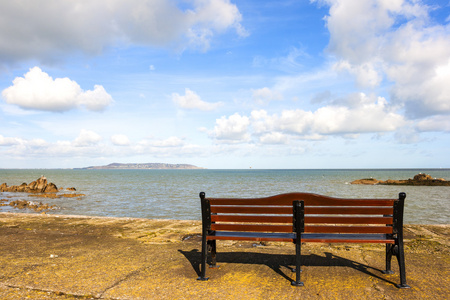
(41, 184)
(365, 181)
(50, 188)
(38, 186)
(37, 207)
(421, 176)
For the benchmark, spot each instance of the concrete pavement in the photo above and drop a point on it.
(73, 257)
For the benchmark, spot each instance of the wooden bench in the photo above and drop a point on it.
(304, 218)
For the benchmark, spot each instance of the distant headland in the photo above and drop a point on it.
(143, 166)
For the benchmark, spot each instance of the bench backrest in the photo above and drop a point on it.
(322, 214)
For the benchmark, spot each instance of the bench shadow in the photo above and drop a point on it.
(280, 262)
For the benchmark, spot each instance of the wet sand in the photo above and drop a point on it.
(74, 257)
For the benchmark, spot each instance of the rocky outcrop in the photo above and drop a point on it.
(419, 179)
(36, 206)
(38, 186)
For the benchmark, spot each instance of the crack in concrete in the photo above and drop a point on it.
(56, 293)
(119, 281)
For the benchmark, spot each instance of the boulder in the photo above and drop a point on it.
(50, 188)
(420, 177)
(365, 181)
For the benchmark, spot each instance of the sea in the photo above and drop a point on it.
(174, 194)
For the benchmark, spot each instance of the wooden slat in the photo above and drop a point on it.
(346, 238)
(254, 201)
(256, 239)
(349, 202)
(252, 227)
(251, 236)
(309, 199)
(251, 219)
(370, 210)
(348, 229)
(350, 210)
(325, 240)
(348, 220)
(252, 209)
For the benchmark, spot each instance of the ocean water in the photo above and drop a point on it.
(173, 194)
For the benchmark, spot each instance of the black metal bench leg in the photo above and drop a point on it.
(298, 263)
(389, 249)
(398, 249)
(212, 249)
(401, 264)
(204, 257)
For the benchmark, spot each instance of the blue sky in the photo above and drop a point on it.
(225, 84)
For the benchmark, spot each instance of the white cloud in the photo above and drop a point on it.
(425, 95)
(367, 74)
(87, 138)
(95, 100)
(9, 141)
(38, 91)
(435, 123)
(232, 129)
(120, 140)
(396, 41)
(367, 115)
(210, 16)
(192, 101)
(274, 138)
(265, 95)
(45, 31)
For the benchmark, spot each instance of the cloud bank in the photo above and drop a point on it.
(48, 31)
(396, 43)
(367, 114)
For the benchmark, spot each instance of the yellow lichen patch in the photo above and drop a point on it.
(240, 278)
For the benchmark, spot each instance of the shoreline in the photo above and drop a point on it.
(57, 215)
(174, 229)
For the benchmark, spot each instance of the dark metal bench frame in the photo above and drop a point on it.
(304, 217)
